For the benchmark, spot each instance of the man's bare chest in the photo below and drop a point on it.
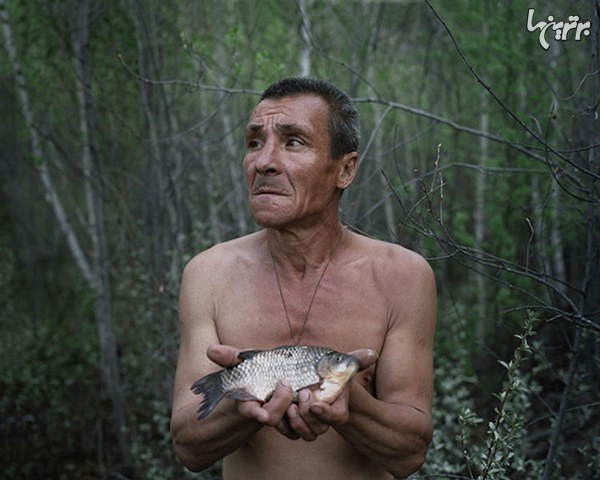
(343, 313)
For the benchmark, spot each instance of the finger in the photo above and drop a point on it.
(306, 399)
(284, 428)
(298, 425)
(282, 398)
(302, 421)
(366, 357)
(272, 412)
(252, 410)
(224, 355)
(335, 414)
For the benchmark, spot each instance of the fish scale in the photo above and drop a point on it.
(260, 374)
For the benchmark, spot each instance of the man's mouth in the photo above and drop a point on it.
(264, 188)
(267, 192)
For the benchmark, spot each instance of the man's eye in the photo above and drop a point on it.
(294, 142)
(252, 144)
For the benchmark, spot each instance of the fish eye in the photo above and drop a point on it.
(339, 359)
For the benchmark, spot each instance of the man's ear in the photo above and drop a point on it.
(348, 167)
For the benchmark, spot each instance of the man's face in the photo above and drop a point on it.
(290, 175)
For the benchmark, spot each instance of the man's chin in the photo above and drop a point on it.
(270, 219)
(269, 212)
(270, 222)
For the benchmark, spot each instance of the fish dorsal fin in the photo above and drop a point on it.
(281, 347)
(248, 354)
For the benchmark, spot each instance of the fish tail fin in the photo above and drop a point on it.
(211, 387)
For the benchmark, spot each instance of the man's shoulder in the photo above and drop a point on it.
(405, 280)
(392, 257)
(223, 256)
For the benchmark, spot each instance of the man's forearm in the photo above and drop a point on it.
(200, 444)
(395, 436)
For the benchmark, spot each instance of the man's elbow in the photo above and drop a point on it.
(413, 458)
(185, 448)
(186, 455)
(408, 465)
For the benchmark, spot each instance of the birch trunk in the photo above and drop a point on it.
(388, 206)
(38, 155)
(90, 160)
(236, 201)
(305, 34)
(213, 218)
(484, 121)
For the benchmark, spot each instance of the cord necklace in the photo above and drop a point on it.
(287, 317)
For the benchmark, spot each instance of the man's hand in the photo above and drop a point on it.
(311, 418)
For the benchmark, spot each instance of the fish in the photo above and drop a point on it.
(256, 377)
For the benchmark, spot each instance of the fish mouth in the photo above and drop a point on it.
(353, 367)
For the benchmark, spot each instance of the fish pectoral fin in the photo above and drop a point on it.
(328, 391)
(325, 384)
(241, 394)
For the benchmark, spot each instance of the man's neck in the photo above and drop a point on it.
(300, 250)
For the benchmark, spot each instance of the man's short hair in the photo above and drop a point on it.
(344, 121)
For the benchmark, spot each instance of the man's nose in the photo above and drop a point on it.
(268, 159)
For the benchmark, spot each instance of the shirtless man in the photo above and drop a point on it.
(305, 278)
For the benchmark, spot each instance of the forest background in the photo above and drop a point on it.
(121, 146)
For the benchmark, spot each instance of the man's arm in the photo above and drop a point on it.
(395, 428)
(199, 444)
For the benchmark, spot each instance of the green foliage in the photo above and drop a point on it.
(50, 391)
(506, 430)
(461, 446)
(455, 382)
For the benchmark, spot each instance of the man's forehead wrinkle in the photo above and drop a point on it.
(288, 116)
(282, 127)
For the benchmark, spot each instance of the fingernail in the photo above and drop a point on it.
(304, 396)
(293, 412)
(286, 383)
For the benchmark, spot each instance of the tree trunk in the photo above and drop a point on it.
(38, 156)
(213, 215)
(90, 160)
(236, 201)
(304, 69)
(480, 179)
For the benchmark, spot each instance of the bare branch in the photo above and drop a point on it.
(194, 85)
